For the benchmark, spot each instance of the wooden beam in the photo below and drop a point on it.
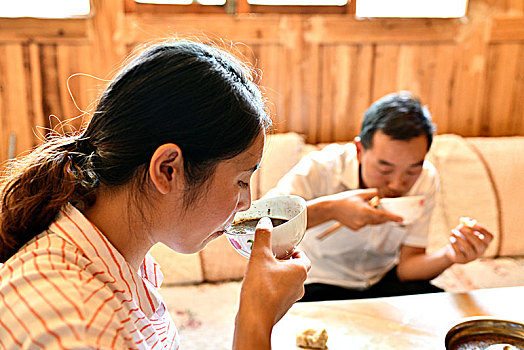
(106, 28)
(246, 28)
(44, 29)
(507, 29)
(344, 29)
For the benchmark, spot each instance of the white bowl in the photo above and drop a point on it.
(285, 237)
(410, 208)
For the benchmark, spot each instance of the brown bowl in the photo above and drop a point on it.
(484, 334)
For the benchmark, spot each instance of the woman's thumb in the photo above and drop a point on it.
(263, 235)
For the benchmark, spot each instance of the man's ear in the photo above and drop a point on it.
(360, 147)
(166, 167)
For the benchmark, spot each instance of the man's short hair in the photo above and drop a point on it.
(399, 115)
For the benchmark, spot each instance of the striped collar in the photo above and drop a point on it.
(72, 226)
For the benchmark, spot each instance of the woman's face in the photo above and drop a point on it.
(224, 194)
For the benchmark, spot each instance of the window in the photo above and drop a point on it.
(411, 8)
(298, 2)
(44, 9)
(183, 2)
(239, 6)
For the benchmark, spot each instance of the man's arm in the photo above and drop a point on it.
(466, 244)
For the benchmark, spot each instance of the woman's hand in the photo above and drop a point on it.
(269, 289)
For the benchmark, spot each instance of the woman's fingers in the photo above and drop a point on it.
(300, 258)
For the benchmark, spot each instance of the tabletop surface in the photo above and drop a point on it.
(406, 322)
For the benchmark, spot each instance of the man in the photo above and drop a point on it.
(373, 254)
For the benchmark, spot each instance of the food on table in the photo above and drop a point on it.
(468, 222)
(312, 339)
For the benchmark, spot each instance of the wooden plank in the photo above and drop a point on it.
(309, 86)
(385, 75)
(108, 32)
(324, 122)
(507, 29)
(469, 84)
(307, 92)
(284, 90)
(440, 82)
(503, 93)
(517, 111)
(268, 59)
(298, 75)
(51, 101)
(359, 97)
(425, 71)
(344, 96)
(36, 91)
(4, 116)
(78, 91)
(16, 119)
(44, 30)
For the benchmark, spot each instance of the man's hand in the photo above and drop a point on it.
(467, 243)
(352, 209)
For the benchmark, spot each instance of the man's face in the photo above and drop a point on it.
(392, 166)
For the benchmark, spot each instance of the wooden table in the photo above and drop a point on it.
(406, 322)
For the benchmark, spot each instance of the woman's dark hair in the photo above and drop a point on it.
(191, 94)
(400, 116)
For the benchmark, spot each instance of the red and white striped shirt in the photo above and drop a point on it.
(69, 288)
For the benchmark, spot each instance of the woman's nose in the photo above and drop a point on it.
(244, 201)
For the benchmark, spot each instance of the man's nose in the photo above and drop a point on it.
(397, 184)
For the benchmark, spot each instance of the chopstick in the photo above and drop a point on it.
(329, 231)
(373, 202)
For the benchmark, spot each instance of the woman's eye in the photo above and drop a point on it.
(243, 184)
(385, 172)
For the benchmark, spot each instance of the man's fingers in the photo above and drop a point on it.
(460, 242)
(479, 240)
(455, 246)
(483, 234)
(385, 215)
(368, 193)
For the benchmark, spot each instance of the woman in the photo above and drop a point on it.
(167, 157)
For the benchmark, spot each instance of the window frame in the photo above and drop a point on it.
(240, 7)
(131, 6)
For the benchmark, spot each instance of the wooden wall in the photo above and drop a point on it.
(320, 71)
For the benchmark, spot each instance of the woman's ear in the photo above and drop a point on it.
(166, 168)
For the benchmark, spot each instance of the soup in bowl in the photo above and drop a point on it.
(288, 214)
